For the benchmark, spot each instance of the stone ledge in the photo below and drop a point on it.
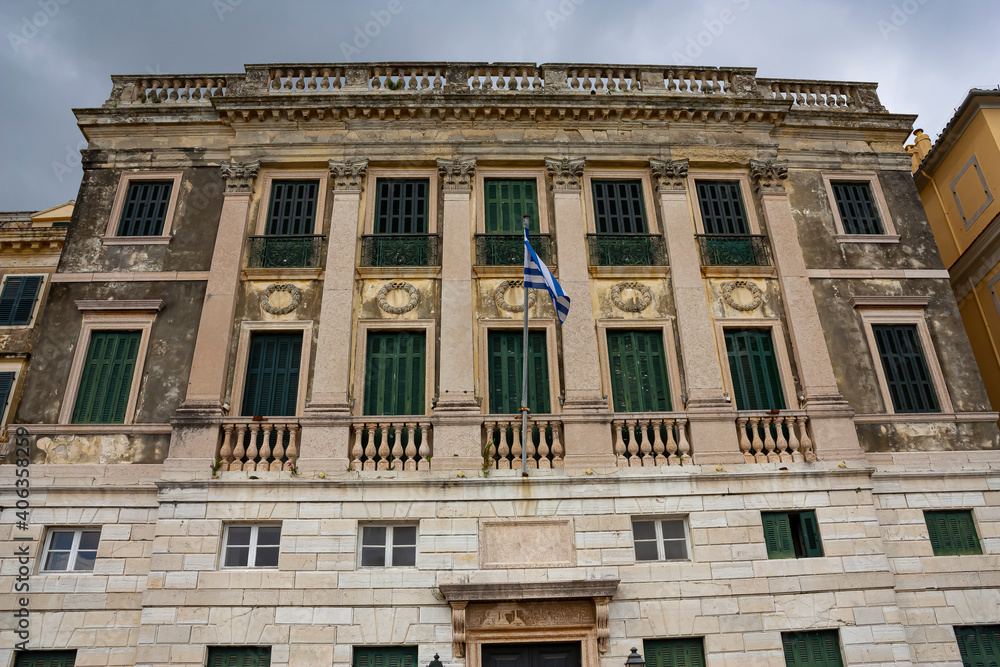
(549, 590)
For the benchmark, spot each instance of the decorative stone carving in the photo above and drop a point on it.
(670, 175)
(349, 175)
(565, 173)
(768, 175)
(399, 286)
(457, 173)
(239, 175)
(603, 631)
(499, 297)
(458, 628)
(293, 300)
(637, 296)
(756, 296)
(530, 614)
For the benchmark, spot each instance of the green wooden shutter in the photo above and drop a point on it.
(619, 207)
(754, 369)
(385, 656)
(17, 299)
(239, 656)
(45, 659)
(394, 373)
(812, 649)
(721, 206)
(638, 371)
(293, 207)
(810, 534)
(401, 206)
(952, 532)
(507, 202)
(145, 208)
(6, 386)
(674, 652)
(906, 374)
(979, 645)
(272, 379)
(506, 365)
(778, 534)
(857, 208)
(107, 377)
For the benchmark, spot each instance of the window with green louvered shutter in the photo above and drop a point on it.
(754, 369)
(17, 299)
(507, 202)
(394, 373)
(952, 532)
(272, 379)
(721, 207)
(401, 206)
(619, 207)
(506, 365)
(820, 648)
(674, 652)
(145, 208)
(638, 371)
(239, 656)
(293, 208)
(45, 659)
(385, 656)
(857, 208)
(778, 535)
(906, 373)
(791, 534)
(6, 387)
(979, 645)
(106, 379)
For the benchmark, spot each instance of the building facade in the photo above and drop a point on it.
(272, 413)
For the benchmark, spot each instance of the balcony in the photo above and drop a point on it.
(258, 446)
(391, 443)
(508, 249)
(774, 437)
(734, 250)
(285, 252)
(395, 250)
(651, 439)
(626, 250)
(502, 442)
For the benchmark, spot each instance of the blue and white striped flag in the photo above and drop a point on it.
(538, 276)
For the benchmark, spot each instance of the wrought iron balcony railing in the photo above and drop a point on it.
(734, 250)
(508, 249)
(400, 250)
(626, 250)
(280, 252)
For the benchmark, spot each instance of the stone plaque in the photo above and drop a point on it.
(513, 543)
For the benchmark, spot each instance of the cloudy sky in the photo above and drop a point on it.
(58, 54)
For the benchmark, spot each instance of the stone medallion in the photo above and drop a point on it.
(499, 296)
(398, 297)
(742, 295)
(280, 298)
(631, 297)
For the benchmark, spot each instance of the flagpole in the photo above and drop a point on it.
(524, 366)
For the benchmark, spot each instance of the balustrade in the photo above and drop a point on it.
(812, 94)
(626, 250)
(274, 251)
(650, 440)
(698, 81)
(603, 79)
(399, 444)
(499, 78)
(400, 250)
(508, 249)
(734, 250)
(408, 78)
(767, 437)
(171, 90)
(306, 79)
(502, 442)
(257, 446)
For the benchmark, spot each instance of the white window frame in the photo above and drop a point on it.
(38, 298)
(658, 524)
(111, 232)
(252, 553)
(389, 543)
(74, 549)
(267, 183)
(889, 234)
(746, 194)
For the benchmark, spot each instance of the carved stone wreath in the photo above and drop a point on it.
(401, 286)
(500, 292)
(294, 292)
(645, 296)
(727, 295)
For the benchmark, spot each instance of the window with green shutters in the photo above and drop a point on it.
(721, 205)
(791, 534)
(618, 207)
(819, 648)
(272, 380)
(906, 374)
(45, 659)
(394, 373)
(754, 369)
(145, 208)
(385, 656)
(401, 206)
(689, 652)
(506, 365)
(507, 202)
(638, 371)
(952, 532)
(106, 379)
(979, 645)
(293, 208)
(6, 387)
(857, 208)
(17, 299)
(239, 656)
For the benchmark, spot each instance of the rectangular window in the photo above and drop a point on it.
(293, 208)
(507, 202)
(754, 369)
(791, 534)
(17, 299)
(688, 652)
(857, 208)
(721, 206)
(251, 546)
(388, 546)
(401, 206)
(272, 380)
(638, 371)
(910, 385)
(979, 645)
(952, 532)
(70, 550)
(45, 659)
(394, 373)
(239, 656)
(506, 365)
(6, 388)
(618, 207)
(145, 208)
(659, 539)
(819, 648)
(106, 380)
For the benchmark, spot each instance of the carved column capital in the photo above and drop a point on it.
(457, 173)
(565, 173)
(349, 175)
(669, 175)
(768, 175)
(239, 175)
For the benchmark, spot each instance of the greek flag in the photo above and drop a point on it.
(538, 276)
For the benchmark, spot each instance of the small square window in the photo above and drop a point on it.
(71, 550)
(952, 532)
(239, 656)
(145, 208)
(857, 207)
(251, 546)
(791, 534)
(18, 298)
(388, 546)
(659, 539)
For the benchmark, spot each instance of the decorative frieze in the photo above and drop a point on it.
(239, 176)
(565, 173)
(669, 175)
(457, 174)
(768, 175)
(349, 175)
(412, 297)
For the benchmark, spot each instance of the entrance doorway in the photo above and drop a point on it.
(558, 654)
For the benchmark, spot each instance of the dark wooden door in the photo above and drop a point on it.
(564, 654)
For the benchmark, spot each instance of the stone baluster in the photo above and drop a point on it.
(239, 451)
(357, 451)
(396, 460)
(617, 427)
(292, 451)
(633, 444)
(543, 445)
(382, 463)
(530, 442)
(226, 451)
(411, 447)
(807, 446)
(645, 446)
(265, 446)
(251, 462)
(658, 447)
(741, 426)
(683, 446)
(781, 444)
(279, 460)
(515, 447)
(425, 447)
(503, 451)
(757, 445)
(370, 451)
(557, 446)
(672, 446)
(793, 440)
(769, 440)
